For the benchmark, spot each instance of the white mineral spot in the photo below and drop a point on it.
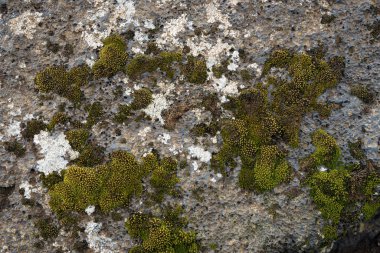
(195, 166)
(144, 132)
(148, 23)
(235, 59)
(200, 153)
(27, 189)
(213, 179)
(56, 150)
(164, 138)
(322, 168)
(14, 129)
(90, 210)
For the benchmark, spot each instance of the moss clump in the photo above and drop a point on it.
(47, 229)
(108, 186)
(141, 99)
(48, 181)
(195, 70)
(356, 150)
(112, 57)
(329, 192)
(327, 151)
(15, 147)
(32, 128)
(327, 19)
(78, 138)
(58, 118)
(164, 177)
(274, 111)
(370, 209)
(270, 170)
(160, 235)
(245, 75)
(66, 84)
(95, 112)
(147, 64)
(123, 114)
(203, 129)
(363, 93)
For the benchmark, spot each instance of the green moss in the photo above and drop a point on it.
(66, 84)
(141, 99)
(203, 129)
(363, 93)
(164, 178)
(78, 138)
(123, 114)
(95, 112)
(370, 209)
(330, 232)
(141, 64)
(327, 151)
(245, 75)
(270, 170)
(371, 182)
(112, 57)
(356, 150)
(47, 229)
(90, 156)
(58, 118)
(15, 147)
(261, 122)
(160, 235)
(32, 128)
(48, 181)
(195, 70)
(329, 192)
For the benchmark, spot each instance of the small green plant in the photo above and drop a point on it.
(32, 128)
(112, 57)
(58, 118)
(95, 112)
(66, 84)
(161, 234)
(141, 99)
(195, 70)
(327, 151)
(363, 93)
(370, 209)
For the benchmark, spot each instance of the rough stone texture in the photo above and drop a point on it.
(37, 33)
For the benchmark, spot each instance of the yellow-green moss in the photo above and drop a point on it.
(160, 235)
(141, 99)
(141, 64)
(123, 114)
(48, 181)
(78, 138)
(363, 93)
(195, 70)
(95, 112)
(66, 84)
(327, 151)
(112, 57)
(329, 191)
(58, 118)
(110, 185)
(32, 128)
(370, 209)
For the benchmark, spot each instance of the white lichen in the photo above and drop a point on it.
(56, 150)
(164, 138)
(171, 30)
(25, 24)
(90, 210)
(200, 153)
(96, 241)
